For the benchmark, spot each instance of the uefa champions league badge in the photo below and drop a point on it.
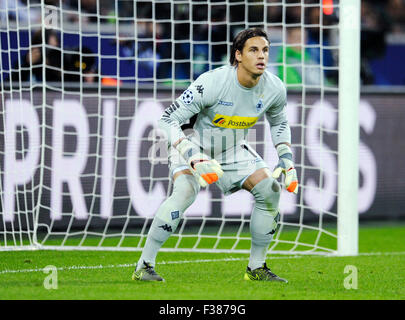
(259, 105)
(187, 96)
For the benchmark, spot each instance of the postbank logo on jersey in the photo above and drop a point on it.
(234, 122)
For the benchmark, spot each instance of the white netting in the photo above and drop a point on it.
(81, 166)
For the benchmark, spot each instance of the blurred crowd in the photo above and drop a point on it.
(306, 52)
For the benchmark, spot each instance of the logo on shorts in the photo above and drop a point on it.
(255, 160)
(187, 96)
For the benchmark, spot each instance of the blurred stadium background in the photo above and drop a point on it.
(130, 51)
(382, 35)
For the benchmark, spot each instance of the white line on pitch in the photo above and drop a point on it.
(131, 265)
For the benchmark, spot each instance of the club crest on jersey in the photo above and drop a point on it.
(187, 96)
(259, 105)
(234, 122)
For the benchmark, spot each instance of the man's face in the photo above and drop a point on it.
(254, 56)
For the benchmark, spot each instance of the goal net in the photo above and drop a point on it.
(83, 84)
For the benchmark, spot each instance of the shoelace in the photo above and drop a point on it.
(149, 269)
(268, 271)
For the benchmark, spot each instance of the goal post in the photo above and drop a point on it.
(83, 165)
(349, 130)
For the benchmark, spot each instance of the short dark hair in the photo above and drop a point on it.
(241, 38)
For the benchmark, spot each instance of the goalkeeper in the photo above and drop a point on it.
(227, 101)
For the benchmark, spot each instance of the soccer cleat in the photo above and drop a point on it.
(146, 273)
(262, 274)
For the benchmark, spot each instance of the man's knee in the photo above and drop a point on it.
(185, 190)
(267, 195)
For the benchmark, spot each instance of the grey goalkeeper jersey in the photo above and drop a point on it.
(227, 110)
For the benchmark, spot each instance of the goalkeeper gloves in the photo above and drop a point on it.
(206, 169)
(286, 165)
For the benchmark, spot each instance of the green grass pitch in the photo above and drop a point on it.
(107, 275)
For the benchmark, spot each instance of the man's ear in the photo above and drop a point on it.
(238, 56)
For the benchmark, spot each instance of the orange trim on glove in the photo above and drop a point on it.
(292, 186)
(210, 177)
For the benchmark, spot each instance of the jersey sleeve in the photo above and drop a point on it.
(277, 113)
(192, 101)
(277, 117)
